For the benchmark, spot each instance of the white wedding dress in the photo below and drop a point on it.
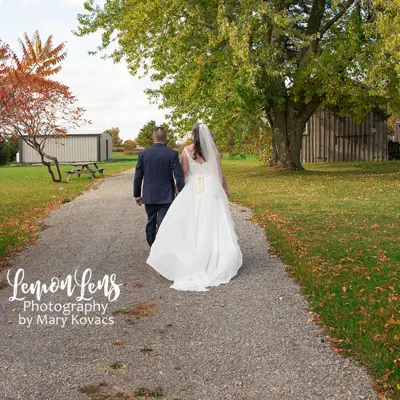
(196, 245)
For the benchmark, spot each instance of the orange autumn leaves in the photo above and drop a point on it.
(31, 102)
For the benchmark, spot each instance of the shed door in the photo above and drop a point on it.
(106, 149)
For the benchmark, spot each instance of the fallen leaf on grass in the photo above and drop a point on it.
(391, 321)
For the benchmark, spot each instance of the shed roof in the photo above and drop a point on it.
(72, 134)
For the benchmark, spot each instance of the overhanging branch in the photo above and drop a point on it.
(345, 6)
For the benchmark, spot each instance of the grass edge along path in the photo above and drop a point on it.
(337, 227)
(28, 195)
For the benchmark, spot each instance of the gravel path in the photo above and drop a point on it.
(250, 339)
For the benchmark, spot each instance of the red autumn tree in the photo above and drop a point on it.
(38, 63)
(34, 107)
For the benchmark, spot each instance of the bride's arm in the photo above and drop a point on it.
(185, 165)
(224, 182)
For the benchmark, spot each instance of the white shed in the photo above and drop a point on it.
(71, 148)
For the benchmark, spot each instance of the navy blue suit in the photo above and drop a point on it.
(157, 166)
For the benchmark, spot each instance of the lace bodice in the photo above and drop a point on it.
(195, 168)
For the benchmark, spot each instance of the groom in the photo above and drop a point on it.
(157, 166)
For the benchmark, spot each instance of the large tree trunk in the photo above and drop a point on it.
(287, 125)
(43, 157)
(287, 135)
(55, 160)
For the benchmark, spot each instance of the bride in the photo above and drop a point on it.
(196, 245)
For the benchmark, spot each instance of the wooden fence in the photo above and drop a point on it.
(330, 138)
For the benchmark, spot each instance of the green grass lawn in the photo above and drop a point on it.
(337, 226)
(27, 195)
(119, 156)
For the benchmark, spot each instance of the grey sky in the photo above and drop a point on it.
(111, 96)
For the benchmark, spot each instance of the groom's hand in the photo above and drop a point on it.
(139, 202)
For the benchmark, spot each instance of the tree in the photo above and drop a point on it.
(116, 140)
(130, 144)
(13, 145)
(231, 61)
(39, 61)
(144, 138)
(4, 152)
(33, 107)
(37, 114)
(171, 142)
(9, 147)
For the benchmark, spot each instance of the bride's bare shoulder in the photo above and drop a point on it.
(190, 148)
(186, 152)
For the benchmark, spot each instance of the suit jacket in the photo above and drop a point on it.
(157, 166)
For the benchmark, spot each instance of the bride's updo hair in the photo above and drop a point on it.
(196, 142)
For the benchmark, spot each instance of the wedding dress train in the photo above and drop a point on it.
(196, 245)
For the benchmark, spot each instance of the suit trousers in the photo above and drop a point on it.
(155, 215)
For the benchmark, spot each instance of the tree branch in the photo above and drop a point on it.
(316, 15)
(345, 6)
(313, 26)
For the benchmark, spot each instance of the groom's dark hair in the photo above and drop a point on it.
(160, 134)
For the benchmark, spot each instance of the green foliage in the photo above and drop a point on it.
(227, 63)
(4, 153)
(9, 147)
(130, 144)
(171, 141)
(116, 140)
(218, 56)
(144, 138)
(261, 143)
(13, 145)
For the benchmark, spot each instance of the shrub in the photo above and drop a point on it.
(130, 144)
(131, 152)
(261, 144)
(4, 153)
(13, 147)
(393, 151)
(118, 149)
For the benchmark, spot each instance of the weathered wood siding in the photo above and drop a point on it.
(330, 138)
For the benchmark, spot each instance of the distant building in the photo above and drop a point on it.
(331, 138)
(71, 148)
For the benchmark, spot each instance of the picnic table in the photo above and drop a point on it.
(79, 168)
